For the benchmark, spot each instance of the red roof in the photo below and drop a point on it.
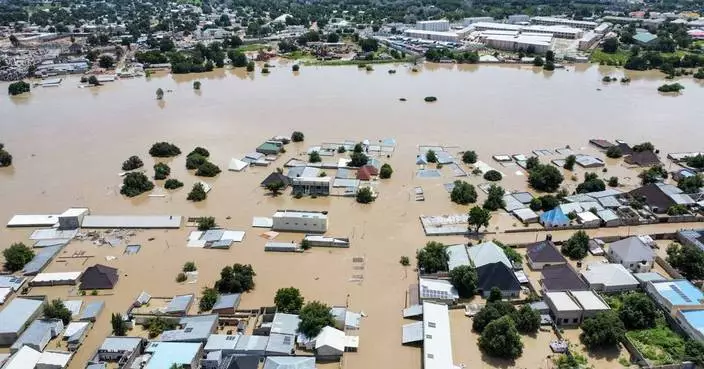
(366, 172)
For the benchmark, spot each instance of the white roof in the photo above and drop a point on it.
(74, 327)
(236, 236)
(562, 301)
(60, 276)
(33, 220)
(132, 221)
(587, 216)
(437, 341)
(25, 358)
(262, 222)
(609, 275)
(74, 306)
(4, 293)
(299, 214)
(74, 212)
(237, 165)
(457, 256)
(54, 358)
(52, 234)
(437, 289)
(487, 253)
(331, 337)
(589, 300)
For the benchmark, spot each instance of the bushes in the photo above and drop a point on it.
(57, 310)
(576, 246)
(591, 184)
(431, 157)
(189, 266)
(492, 175)
(208, 300)
(197, 193)
(463, 193)
(132, 163)
(464, 278)
(603, 330)
(432, 258)
(5, 157)
(236, 279)
(295, 67)
(161, 171)
(17, 88)
(385, 171)
(614, 152)
(194, 161)
(135, 184)
(206, 223)
(16, 256)
(365, 195)
(613, 182)
(495, 200)
(314, 157)
(569, 162)
(314, 317)
(200, 151)
(545, 178)
(208, 169)
(181, 277)
(672, 87)
(172, 184)
(250, 66)
(164, 150)
(430, 99)
(469, 157)
(297, 136)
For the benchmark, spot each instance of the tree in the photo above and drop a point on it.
(549, 66)
(297, 136)
(694, 351)
(405, 261)
(17, 88)
(550, 56)
(172, 184)
(495, 295)
(603, 330)
(161, 171)
(500, 339)
(696, 161)
(314, 157)
(196, 85)
(527, 320)
(465, 279)
(613, 182)
(106, 62)
(197, 193)
(653, 175)
(591, 183)
(644, 146)
(478, 218)
(614, 152)
(135, 184)
(369, 44)
(431, 157)
(469, 157)
(181, 277)
(610, 45)
(490, 312)
(545, 178)
(677, 209)
(238, 59)
(57, 310)
(492, 175)
(16, 256)
(208, 300)
(358, 159)
(132, 163)
(295, 68)
(119, 326)
(236, 279)
(314, 317)
(495, 199)
(305, 244)
(14, 41)
(365, 195)
(201, 151)
(156, 325)
(691, 184)
(159, 93)
(93, 81)
(385, 171)
(569, 162)
(5, 158)
(538, 61)
(463, 193)
(432, 258)
(208, 169)
(638, 311)
(532, 162)
(576, 246)
(194, 161)
(288, 300)
(275, 187)
(189, 266)
(333, 37)
(687, 259)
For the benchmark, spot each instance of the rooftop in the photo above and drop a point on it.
(300, 214)
(562, 301)
(165, 354)
(679, 292)
(437, 289)
(486, 253)
(227, 301)
(609, 275)
(437, 341)
(289, 362)
(221, 342)
(457, 256)
(17, 313)
(695, 319)
(179, 304)
(285, 323)
(632, 249)
(193, 328)
(561, 277)
(544, 252)
(131, 221)
(589, 300)
(120, 344)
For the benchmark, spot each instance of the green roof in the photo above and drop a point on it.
(644, 37)
(268, 146)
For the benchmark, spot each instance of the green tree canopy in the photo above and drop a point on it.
(495, 199)
(164, 150)
(545, 178)
(591, 183)
(432, 258)
(691, 184)
(208, 169)
(288, 300)
(135, 184)
(358, 159)
(577, 246)
(469, 157)
(206, 223)
(119, 326)
(297, 136)
(478, 218)
(385, 172)
(57, 310)
(569, 162)
(314, 157)
(236, 279)
(603, 330)
(638, 311)
(172, 184)
(208, 299)
(493, 175)
(431, 157)
(132, 163)
(687, 259)
(463, 193)
(527, 320)
(500, 339)
(364, 195)
(490, 312)
(161, 171)
(465, 279)
(16, 256)
(314, 317)
(614, 152)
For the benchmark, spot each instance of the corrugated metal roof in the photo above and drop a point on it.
(40, 260)
(280, 344)
(120, 344)
(227, 301)
(412, 332)
(92, 310)
(17, 313)
(221, 342)
(179, 304)
(285, 323)
(457, 256)
(131, 221)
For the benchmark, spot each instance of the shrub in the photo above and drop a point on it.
(672, 87)
(430, 99)
(405, 261)
(200, 151)
(492, 175)
(164, 150)
(161, 171)
(613, 182)
(194, 161)
(197, 193)
(206, 223)
(305, 244)
(172, 184)
(17, 88)
(341, 150)
(576, 246)
(16, 256)
(545, 178)
(314, 157)
(431, 157)
(250, 66)
(296, 68)
(132, 163)
(208, 300)
(236, 279)
(297, 136)
(469, 157)
(365, 195)
(196, 85)
(265, 70)
(569, 162)
(614, 152)
(463, 193)
(208, 169)
(385, 171)
(5, 158)
(181, 277)
(135, 184)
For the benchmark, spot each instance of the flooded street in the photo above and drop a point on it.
(68, 145)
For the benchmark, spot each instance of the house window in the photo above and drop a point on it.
(565, 321)
(575, 320)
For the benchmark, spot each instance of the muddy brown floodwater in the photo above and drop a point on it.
(68, 145)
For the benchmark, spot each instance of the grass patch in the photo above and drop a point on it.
(660, 344)
(297, 55)
(251, 47)
(354, 62)
(617, 58)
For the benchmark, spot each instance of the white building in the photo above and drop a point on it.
(437, 338)
(432, 35)
(609, 278)
(441, 25)
(330, 342)
(437, 290)
(300, 221)
(539, 43)
(564, 310)
(590, 303)
(471, 20)
(588, 40)
(552, 21)
(518, 18)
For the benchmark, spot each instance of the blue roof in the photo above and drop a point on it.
(680, 292)
(644, 37)
(92, 309)
(165, 354)
(15, 315)
(554, 217)
(695, 319)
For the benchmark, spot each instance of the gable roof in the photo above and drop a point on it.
(554, 217)
(544, 252)
(497, 275)
(632, 249)
(642, 158)
(99, 277)
(366, 172)
(17, 313)
(609, 275)
(487, 253)
(331, 337)
(289, 362)
(561, 277)
(240, 362)
(654, 196)
(275, 177)
(227, 301)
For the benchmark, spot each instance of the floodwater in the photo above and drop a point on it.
(68, 145)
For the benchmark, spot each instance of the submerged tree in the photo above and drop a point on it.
(314, 317)
(197, 193)
(159, 93)
(478, 218)
(288, 300)
(135, 184)
(16, 256)
(432, 258)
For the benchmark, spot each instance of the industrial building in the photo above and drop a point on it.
(555, 31)
(432, 35)
(471, 20)
(553, 21)
(441, 25)
(518, 18)
(539, 43)
(300, 221)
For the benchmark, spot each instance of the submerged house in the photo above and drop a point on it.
(554, 218)
(314, 186)
(632, 253)
(494, 269)
(544, 253)
(274, 178)
(99, 277)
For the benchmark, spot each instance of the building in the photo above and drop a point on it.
(99, 277)
(15, 317)
(55, 279)
(437, 338)
(609, 278)
(500, 276)
(75, 333)
(367, 173)
(553, 21)
(563, 309)
(457, 256)
(224, 343)
(92, 310)
(324, 241)
(195, 328)
(165, 354)
(251, 345)
(38, 334)
(561, 277)
(285, 324)
(518, 18)
(554, 218)
(588, 219)
(438, 290)
(692, 321)
(286, 362)
(274, 178)
(270, 148)
(29, 358)
(226, 304)
(645, 38)
(432, 35)
(72, 218)
(471, 20)
(441, 25)
(675, 295)
(314, 186)
(544, 253)
(590, 303)
(300, 221)
(632, 253)
(330, 343)
(122, 350)
(280, 344)
(487, 253)
(692, 237)
(179, 305)
(539, 43)
(240, 362)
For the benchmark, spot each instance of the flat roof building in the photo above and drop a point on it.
(692, 321)
(440, 25)
(590, 303)
(564, 310)
(676, 294)
(192, 329)
(300, 221)
(165, 354)
(222, 342)
(432, 35)
(55, 279)
(553, 21)
(438, 290)
(227, 303)
(15, 317)
(437, 338)
(132, 221)
(119, 349)
(609, 278)
(38, 334)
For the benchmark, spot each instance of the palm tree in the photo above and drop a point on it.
(159, 94)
